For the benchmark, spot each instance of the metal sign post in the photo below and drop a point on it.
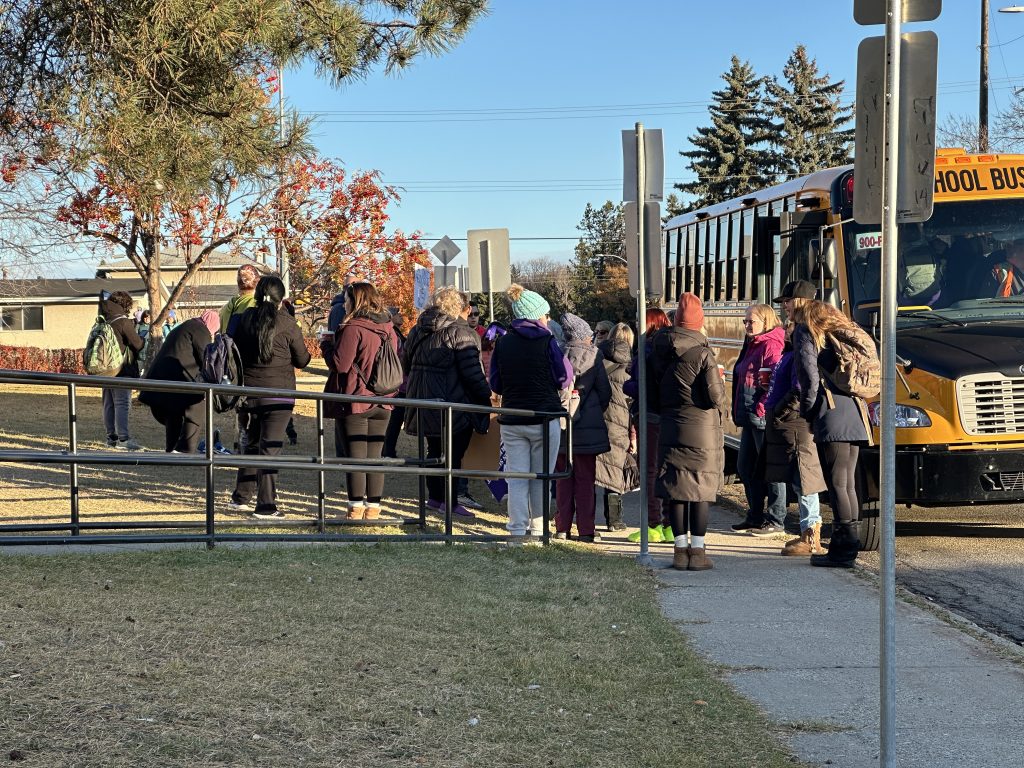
(445, 250)
(489, 268)
(644, 557)
(887, 433)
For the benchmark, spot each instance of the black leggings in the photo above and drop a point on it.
(839, 460)
(689, 516)
(435, 449)
(361, 436)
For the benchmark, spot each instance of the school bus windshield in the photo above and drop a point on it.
(969, 256)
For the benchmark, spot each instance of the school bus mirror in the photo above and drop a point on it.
(866, 313)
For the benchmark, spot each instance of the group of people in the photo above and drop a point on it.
(796, 430)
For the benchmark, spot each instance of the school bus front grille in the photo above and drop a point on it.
(991, 403)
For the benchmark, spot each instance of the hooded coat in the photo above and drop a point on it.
(760, 351)
(835, 417)
(179, 359)
(617, 358)
(692, 401)
(589, 433)
(442, 358)
(356, 343)
(128, 338)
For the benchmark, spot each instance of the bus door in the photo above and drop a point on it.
(797, 232)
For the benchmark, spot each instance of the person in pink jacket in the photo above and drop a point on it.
(762, 350)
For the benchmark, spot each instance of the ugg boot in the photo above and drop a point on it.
(355, 511)
(371, 511)
(681, 558)
(613, 512)
(699, 560)
(801, 545)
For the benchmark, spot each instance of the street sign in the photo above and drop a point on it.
(654, 278)
(874, 11)
(654, 189)
(489, 268)
(916, 170)
(445, 250)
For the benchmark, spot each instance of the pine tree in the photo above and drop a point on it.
(730, 156)
(603, 232)
(809, 132)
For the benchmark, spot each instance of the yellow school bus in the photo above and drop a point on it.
(960, 327)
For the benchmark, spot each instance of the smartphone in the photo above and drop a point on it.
(104, 295)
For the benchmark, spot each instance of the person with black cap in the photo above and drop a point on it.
(794, 295)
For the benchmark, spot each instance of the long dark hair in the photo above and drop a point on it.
(269, 295)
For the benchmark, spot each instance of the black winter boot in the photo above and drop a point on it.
(842, 547)
(613, 512)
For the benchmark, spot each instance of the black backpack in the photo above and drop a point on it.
(387, 375)
(222, 364)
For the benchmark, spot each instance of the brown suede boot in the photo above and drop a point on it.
(699, 560)
(371, 512)
(801, 545)
(681, 559)
(816, 547)
(355, 512)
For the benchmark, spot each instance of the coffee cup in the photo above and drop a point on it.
(721, 370)
(764, 376)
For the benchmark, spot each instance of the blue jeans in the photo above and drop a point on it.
(810, 506)
(754, 486)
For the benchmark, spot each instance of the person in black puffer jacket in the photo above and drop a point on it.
(116, 310)
(690, 396)
(180, 358)
(575, 494)
(617, 351)
(442, 358)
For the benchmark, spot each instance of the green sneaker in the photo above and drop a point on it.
(653, 536)
(666, 534)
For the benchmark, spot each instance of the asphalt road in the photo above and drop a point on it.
(967, 559)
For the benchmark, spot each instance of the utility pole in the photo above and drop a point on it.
(282, 255)
(983, 85)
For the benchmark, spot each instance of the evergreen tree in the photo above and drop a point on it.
(603, 234)
(729, 156)
(809, 131)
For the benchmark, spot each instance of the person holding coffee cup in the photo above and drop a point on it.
(762, 350)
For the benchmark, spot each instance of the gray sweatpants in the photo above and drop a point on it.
(116, 403)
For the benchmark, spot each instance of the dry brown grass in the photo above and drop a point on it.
(413, 655)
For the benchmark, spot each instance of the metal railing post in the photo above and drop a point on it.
(449, 496)
(73, 447)
(546, 503)
(421, 444)
(210, 524)
(321, 524)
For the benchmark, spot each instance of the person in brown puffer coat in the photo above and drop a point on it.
(690, 396)
(617, 351)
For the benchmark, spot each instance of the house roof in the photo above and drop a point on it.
(75, 291)
(171, 259)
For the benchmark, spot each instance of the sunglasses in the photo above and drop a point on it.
(474, 314)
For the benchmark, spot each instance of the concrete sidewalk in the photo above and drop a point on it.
(803, 644)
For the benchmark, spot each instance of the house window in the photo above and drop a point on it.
(21, 319)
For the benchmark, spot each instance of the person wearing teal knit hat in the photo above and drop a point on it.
(529, 305)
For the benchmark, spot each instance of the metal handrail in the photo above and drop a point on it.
(419, 466)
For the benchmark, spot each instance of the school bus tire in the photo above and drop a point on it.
(868, 526)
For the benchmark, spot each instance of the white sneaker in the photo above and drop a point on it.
(245, 507)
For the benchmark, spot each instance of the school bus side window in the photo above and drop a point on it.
(712, 258)
(746, 291)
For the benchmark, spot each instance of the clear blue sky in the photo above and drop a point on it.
(518, 126)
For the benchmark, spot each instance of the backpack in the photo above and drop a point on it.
(103, 355)
(858, 372)
(222, 364)
(387, 375)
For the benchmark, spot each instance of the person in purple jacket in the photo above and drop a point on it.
(528, 370)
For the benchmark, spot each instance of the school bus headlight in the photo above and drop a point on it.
(906, 416)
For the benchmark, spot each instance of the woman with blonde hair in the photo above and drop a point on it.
(838, 421)
(762, 349)
(442, 359)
